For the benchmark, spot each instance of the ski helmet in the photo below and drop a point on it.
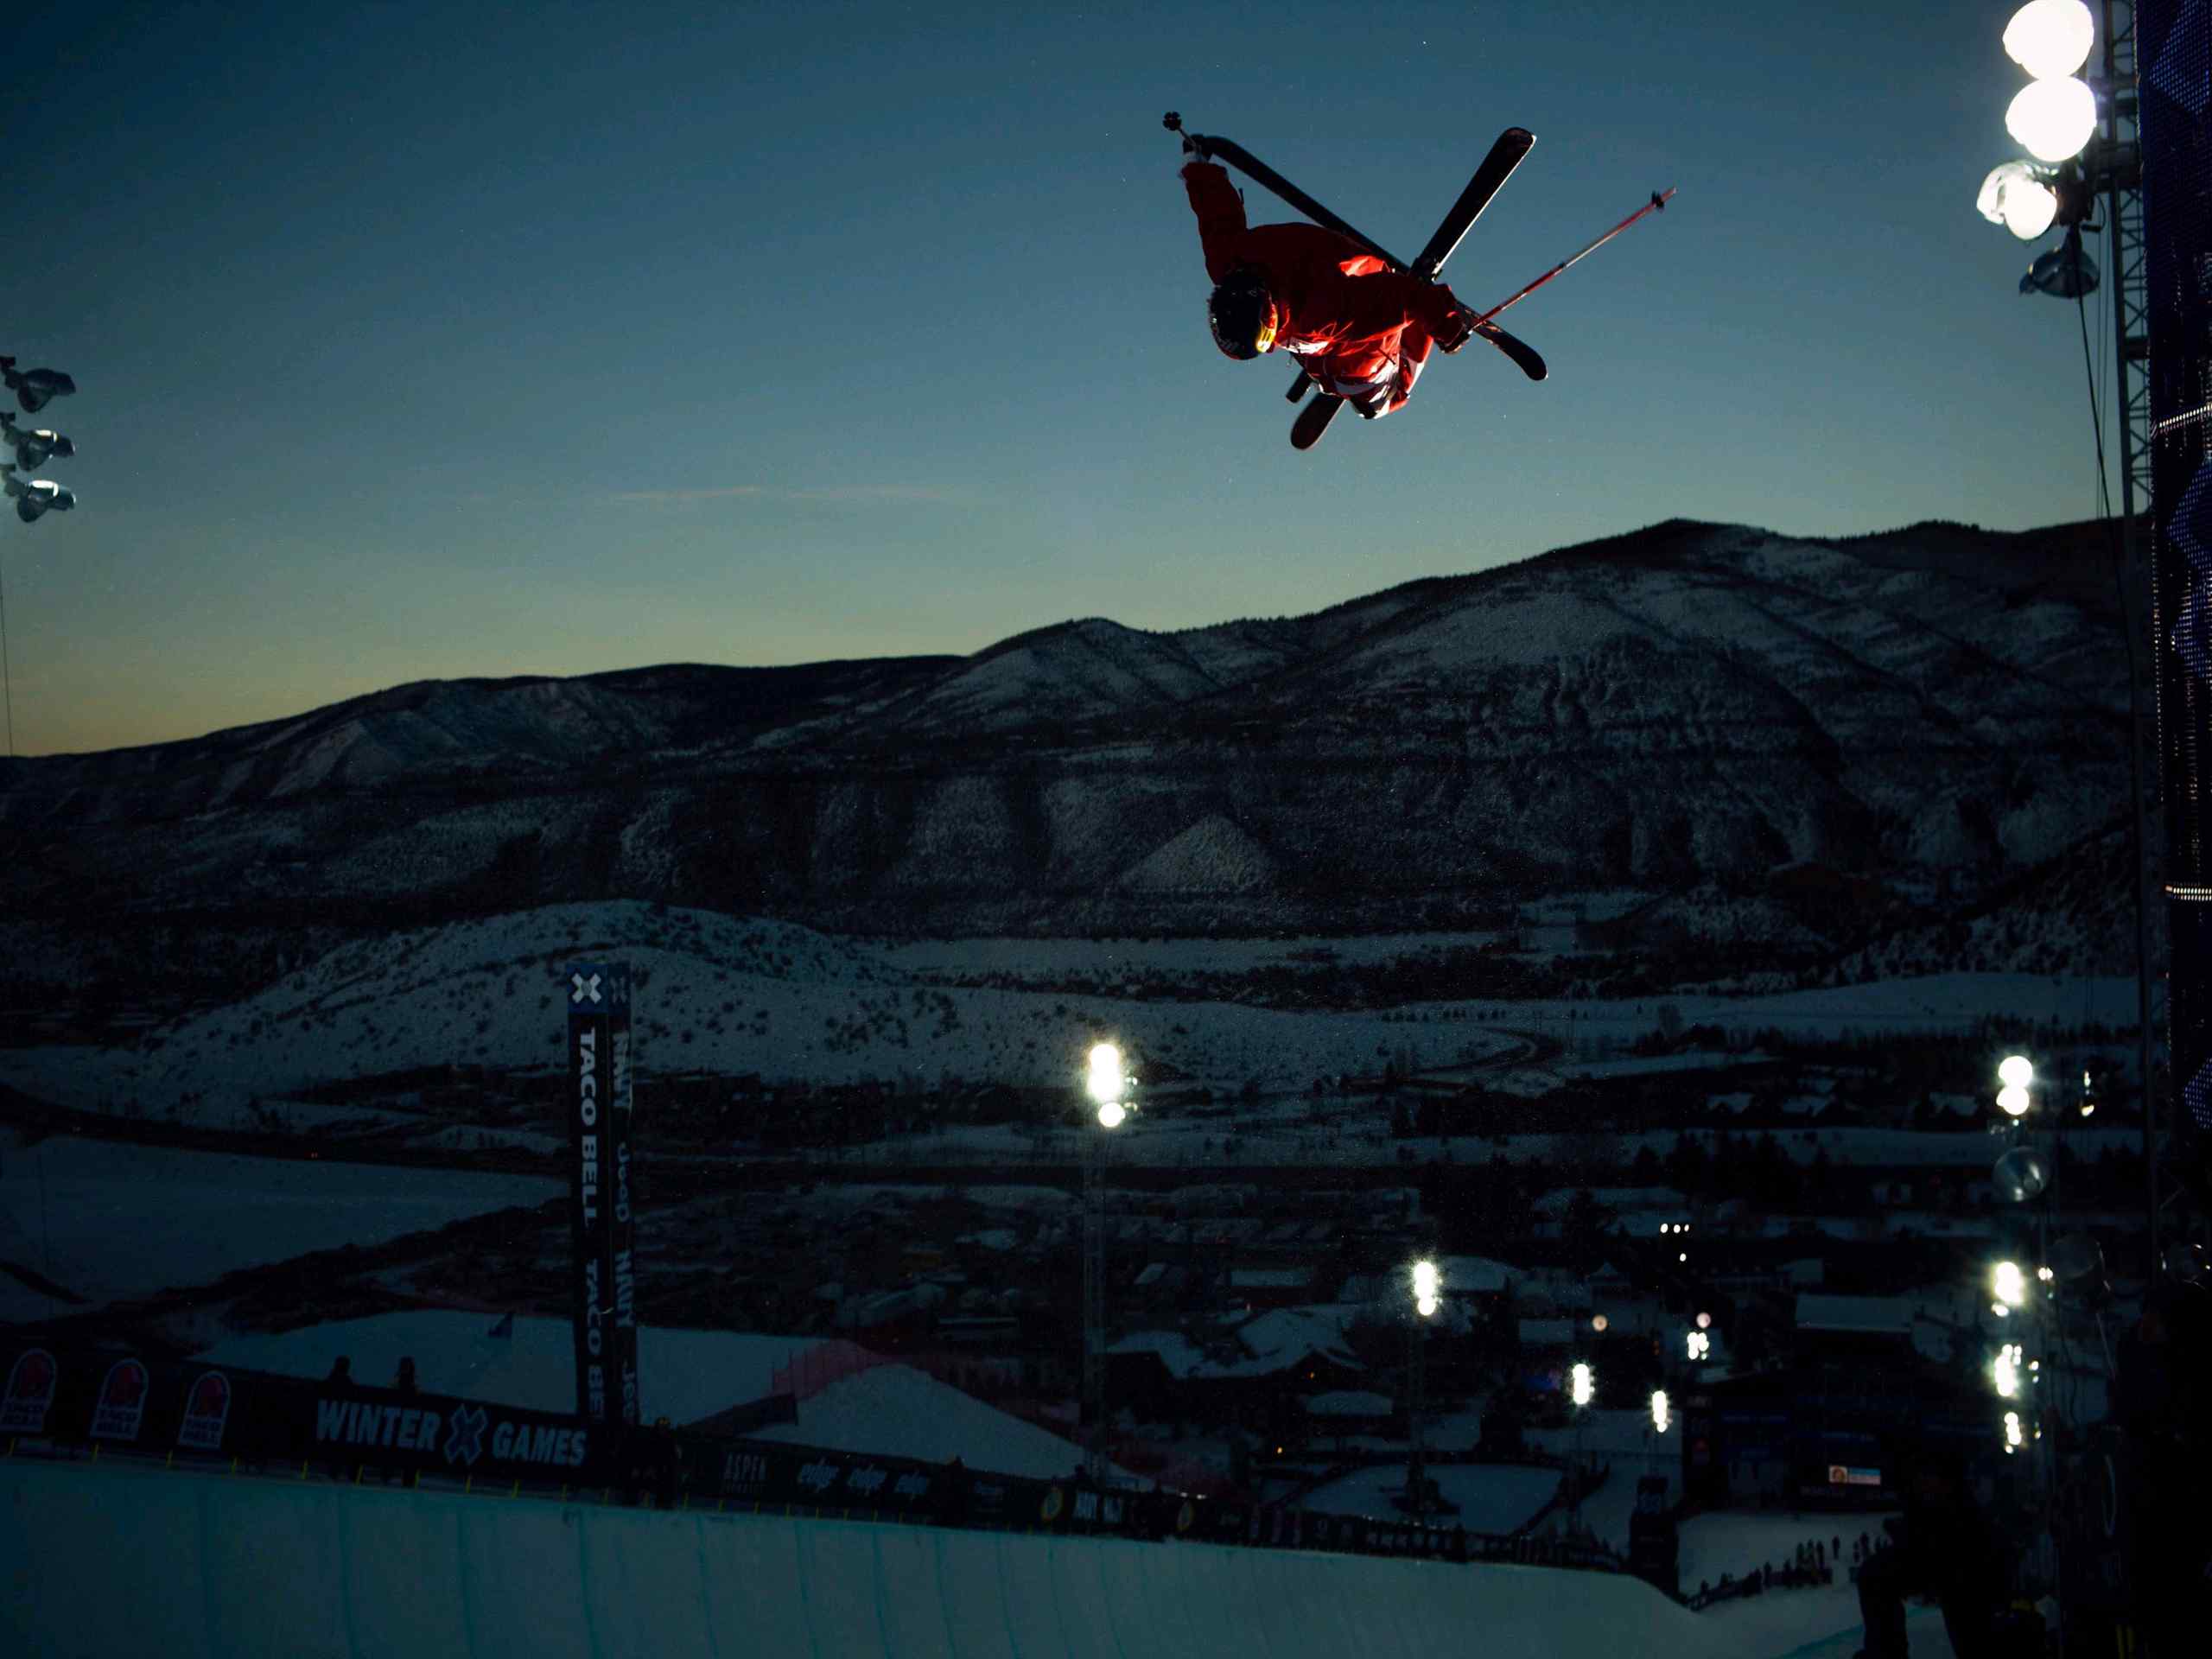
(1244, 315)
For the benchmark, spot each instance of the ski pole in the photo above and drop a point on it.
(1260, 173)
(1658, 200)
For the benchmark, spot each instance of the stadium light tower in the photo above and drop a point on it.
(1584, 1382)
(1427, 1281)
(1107, 1082)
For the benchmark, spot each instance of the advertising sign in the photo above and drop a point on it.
(603, 1292)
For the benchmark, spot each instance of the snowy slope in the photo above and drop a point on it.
(107, 1221)
(117, 1561)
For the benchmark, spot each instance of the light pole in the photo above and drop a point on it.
(1107, 1084)
(1586, 1388)
(1426, 1280)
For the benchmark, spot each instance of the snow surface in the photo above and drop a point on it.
(733, 996)
(1492, 1497)
(111, 1559)
(896, 1411)
(106, 1220)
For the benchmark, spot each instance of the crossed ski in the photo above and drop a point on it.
(1513, 146)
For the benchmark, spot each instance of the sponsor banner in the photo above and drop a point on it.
(601, 1097)
(207, 1412)
(828, 1480)
(121, 1409)
(32, 1380)
(434, 1434)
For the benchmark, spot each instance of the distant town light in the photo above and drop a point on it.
(2050, 38)
(1659, 1410)
(1585, 1384)
(2016, 1071)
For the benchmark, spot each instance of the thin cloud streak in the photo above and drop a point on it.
(769, 492)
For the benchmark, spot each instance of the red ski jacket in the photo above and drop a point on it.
(1344, 305)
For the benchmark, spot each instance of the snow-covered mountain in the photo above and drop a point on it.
(1806, 744)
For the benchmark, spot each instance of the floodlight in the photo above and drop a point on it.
(1111, 1114)
(1427, 1279)
(2006, 1370)
(1425, 1306)
(2052, 119)
(2009, 1284)
(1105, 1082)
(2021, 1174)
(1585, 1384)
(2016, 1071)
(1700, 1344)
(2012, 1436)
(2050, 38)
(2015, 196)
(1659, 1410)
(2013, 1100)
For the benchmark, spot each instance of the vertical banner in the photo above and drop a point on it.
(2174, 56)
(603, 1291)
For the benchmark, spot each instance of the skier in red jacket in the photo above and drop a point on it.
(1361, 330)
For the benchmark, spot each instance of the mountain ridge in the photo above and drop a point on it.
(1937, 710)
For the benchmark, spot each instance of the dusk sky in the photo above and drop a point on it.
(427, 342)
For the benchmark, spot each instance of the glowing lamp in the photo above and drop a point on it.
(1585, 1384)
(1112, 1114)
(2013, 196)
(2009, 1283)
(1659, 1410)
(2016, 1071)
(2013, 1100)
(2050, 38)
(2052, 119)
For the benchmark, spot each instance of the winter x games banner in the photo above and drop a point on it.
(605, 1289)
